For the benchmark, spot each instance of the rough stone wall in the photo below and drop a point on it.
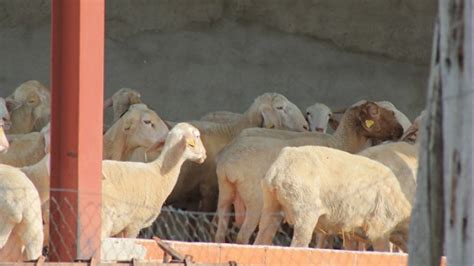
(190, 57)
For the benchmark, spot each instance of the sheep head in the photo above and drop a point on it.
(189, 139)
(29, 107)
(276, 111)
(378, 123)
(142, 126)
(121, 100)
(318, 116)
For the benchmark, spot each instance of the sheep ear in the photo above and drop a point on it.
(108, 103)
(270, 118)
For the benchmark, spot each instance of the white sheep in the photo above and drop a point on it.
(27, 149)
(30, 107)
(133, 192)
(318, 116)
(121, 100)
(244, 162)
(401, 157)
(335, 191)
(138, 127)
(271, 110)
(21, 228)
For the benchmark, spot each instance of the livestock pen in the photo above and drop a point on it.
(73, 216)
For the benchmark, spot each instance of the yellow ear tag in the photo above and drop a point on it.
(369, 123)
(1, 130)
(270, 125)
(191, 142)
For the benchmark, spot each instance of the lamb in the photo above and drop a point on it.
(221, 117)
(271, 110)
(329, 189)
(27, 149)
(20, 214)
(402, 158)
(133, 192)
(138, 127)
(30, 107)
(244, 162)
(121, 100)
(318, 116)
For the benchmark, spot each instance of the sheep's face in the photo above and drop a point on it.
(278, 112)
(190, 138)
(318, 116)
(379, 123)
(4, 114)
(29, 107)
(3, 139)
(143, 128)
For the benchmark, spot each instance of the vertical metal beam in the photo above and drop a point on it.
(77, 39)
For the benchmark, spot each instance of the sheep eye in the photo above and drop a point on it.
(147, 122)
(279, 107)
(307, 113)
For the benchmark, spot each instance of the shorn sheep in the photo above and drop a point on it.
(138, 127)
(271, 110)
(30, 107)
(27, 149)
(133, 192)
(121, 100)
(21, 228)
(334, 191)
(244, 162)
(318, 116)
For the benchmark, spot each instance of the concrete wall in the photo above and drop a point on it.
(190, 57)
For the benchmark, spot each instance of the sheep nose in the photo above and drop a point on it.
(318, 129)
(305, 127)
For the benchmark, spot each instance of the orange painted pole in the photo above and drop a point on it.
(77, 80)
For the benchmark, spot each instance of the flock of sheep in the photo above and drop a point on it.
(268, 164)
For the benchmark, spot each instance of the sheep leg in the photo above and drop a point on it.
(32, 234)
(252, 216)
(304, 229)
(226, 196)
(382, 245)
(270, 220)
(321, 240)
(208, 198)
(131, 232)
(6, 228)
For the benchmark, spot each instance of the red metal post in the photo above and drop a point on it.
(77, 39)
